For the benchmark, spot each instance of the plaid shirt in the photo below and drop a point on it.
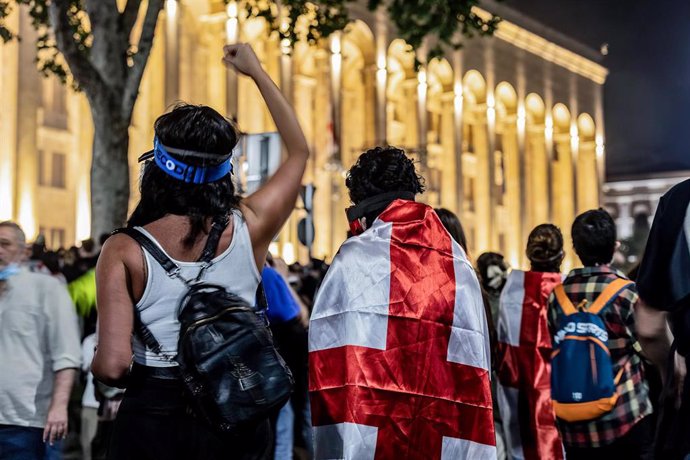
(633, 394)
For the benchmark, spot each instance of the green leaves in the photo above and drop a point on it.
(445, 22)
(48, 57)
(5, 10)
(301, 19)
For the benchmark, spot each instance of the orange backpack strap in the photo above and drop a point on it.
(611, 291)
(563, 300)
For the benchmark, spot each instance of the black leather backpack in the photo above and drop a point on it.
(228, 363)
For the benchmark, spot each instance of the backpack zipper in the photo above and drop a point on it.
(593, 362)
(203, 321)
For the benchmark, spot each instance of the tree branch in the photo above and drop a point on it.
(109, 50)
(141, 57)
(129, 15)
(79, 64)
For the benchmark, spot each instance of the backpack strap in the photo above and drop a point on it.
(563, 300)
(218, 226)
(172, 269)
(609, 293)
(152, 248)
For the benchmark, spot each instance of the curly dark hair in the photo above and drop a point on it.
(380, 170)
(545, 248)
(189, 127)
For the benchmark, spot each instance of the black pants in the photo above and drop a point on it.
(292, 341)
(637, 444)
(154, 423)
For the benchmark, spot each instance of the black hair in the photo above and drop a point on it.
(188, 127)
(381, 170)
(594, 237)
(452, 223)
(545, 248)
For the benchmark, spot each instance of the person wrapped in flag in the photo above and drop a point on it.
(524, 351)
(398, 342)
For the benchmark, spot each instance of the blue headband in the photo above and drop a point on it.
(185, 172)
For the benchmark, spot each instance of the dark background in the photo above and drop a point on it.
(647, 93)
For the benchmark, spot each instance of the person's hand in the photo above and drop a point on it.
(242, 58)
(56, 425)
(303, 315)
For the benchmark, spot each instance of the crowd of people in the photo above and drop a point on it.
(91, 406)
(406, 346)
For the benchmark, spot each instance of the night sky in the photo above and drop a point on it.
(647, 93)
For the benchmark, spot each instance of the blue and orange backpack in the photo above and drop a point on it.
(583, 386)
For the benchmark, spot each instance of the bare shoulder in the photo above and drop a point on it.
(120, 249)
(119, 245)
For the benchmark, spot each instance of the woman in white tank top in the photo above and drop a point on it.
(186, 182)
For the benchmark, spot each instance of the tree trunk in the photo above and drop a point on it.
(109, 170)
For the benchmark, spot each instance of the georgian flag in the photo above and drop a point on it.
(524, 367)
(399, 347)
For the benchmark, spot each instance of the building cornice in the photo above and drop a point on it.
(548, 50)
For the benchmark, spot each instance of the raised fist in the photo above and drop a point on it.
(242, 58)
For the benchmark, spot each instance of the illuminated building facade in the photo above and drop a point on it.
(508, 131)
(628, 198)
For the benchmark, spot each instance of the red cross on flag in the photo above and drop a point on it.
(524, 367)
(399, 347)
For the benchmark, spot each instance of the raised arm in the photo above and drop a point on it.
(267, 209)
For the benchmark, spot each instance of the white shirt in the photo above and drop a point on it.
(234, 269)
(39, 336)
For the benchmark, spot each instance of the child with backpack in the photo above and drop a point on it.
(598, 389)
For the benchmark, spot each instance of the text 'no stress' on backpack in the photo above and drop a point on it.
(583, 386)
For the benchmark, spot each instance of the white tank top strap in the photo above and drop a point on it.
(234, 268)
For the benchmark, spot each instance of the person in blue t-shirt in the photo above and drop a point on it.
(282, 306)
(287, 316)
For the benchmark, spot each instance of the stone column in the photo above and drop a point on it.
(9, 132)
(483, 179)
(574, 142)
(457, 130)
(446, 164)
(336, 90)
(548, 137)
(599, 140)
(288, 235)
(521, 167)
(370, 107)
(381, 38)
(422, 118)
(172, 52)
(29, 99)
(232, 36)
(324, 241)
(491, 142)
(337, 190)
(82, 129)
(512, 201)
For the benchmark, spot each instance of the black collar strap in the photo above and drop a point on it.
(375, 203)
